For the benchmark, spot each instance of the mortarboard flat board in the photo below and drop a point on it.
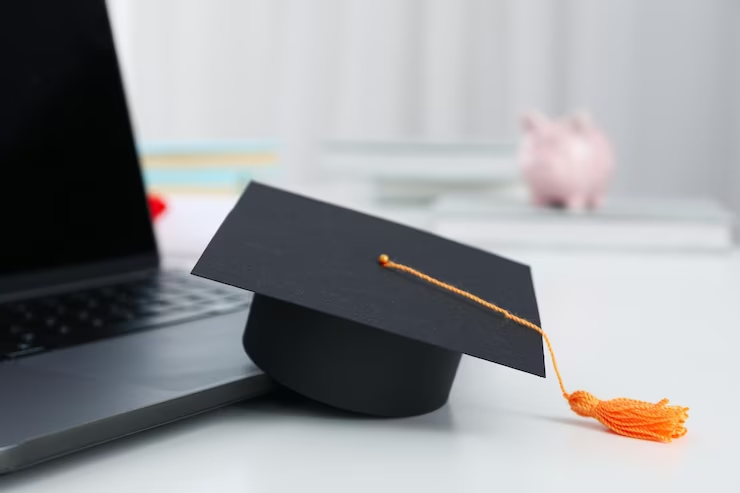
(329, 322)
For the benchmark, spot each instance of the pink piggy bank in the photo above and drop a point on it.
(566, 163)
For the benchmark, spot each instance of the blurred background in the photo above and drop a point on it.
(412, 109)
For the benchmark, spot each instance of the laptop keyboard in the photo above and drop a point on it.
(36, 325)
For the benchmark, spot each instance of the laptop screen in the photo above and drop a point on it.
(71, 190)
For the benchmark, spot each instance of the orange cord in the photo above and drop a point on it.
(628, 417)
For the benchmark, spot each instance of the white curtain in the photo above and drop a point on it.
(660, 75)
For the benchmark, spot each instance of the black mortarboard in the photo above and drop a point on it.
(329, 322)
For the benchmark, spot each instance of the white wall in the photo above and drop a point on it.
(660, 75)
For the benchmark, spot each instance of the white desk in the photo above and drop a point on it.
(641, 326)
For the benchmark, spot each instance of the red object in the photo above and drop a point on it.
(156, 206)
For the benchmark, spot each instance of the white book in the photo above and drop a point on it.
(422, 169)
(422, 161)
(620, 224)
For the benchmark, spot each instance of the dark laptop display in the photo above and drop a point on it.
(96, 342)
(72, 201)
(71, 192)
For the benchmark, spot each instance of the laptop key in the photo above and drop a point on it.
(15, 330)
(27, 337)
(165, 318)
(25, 350)
(63, 330)
(17, 350)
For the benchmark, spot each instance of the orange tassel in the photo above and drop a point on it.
(631, 418)
(636, 419)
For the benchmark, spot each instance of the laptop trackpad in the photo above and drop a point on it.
(187, 357)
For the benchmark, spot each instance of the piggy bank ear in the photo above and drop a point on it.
(580, 121)
(534, 122)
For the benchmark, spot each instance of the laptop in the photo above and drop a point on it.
(97, 341)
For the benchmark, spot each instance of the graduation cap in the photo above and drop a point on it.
(339, 314)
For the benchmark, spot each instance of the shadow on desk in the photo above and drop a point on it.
(286, 404)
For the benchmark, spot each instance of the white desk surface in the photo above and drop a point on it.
(645, 326)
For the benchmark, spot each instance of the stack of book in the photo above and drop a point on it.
(489, 222)
(210, 167)
(420, 171)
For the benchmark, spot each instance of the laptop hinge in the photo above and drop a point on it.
(77, 278)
